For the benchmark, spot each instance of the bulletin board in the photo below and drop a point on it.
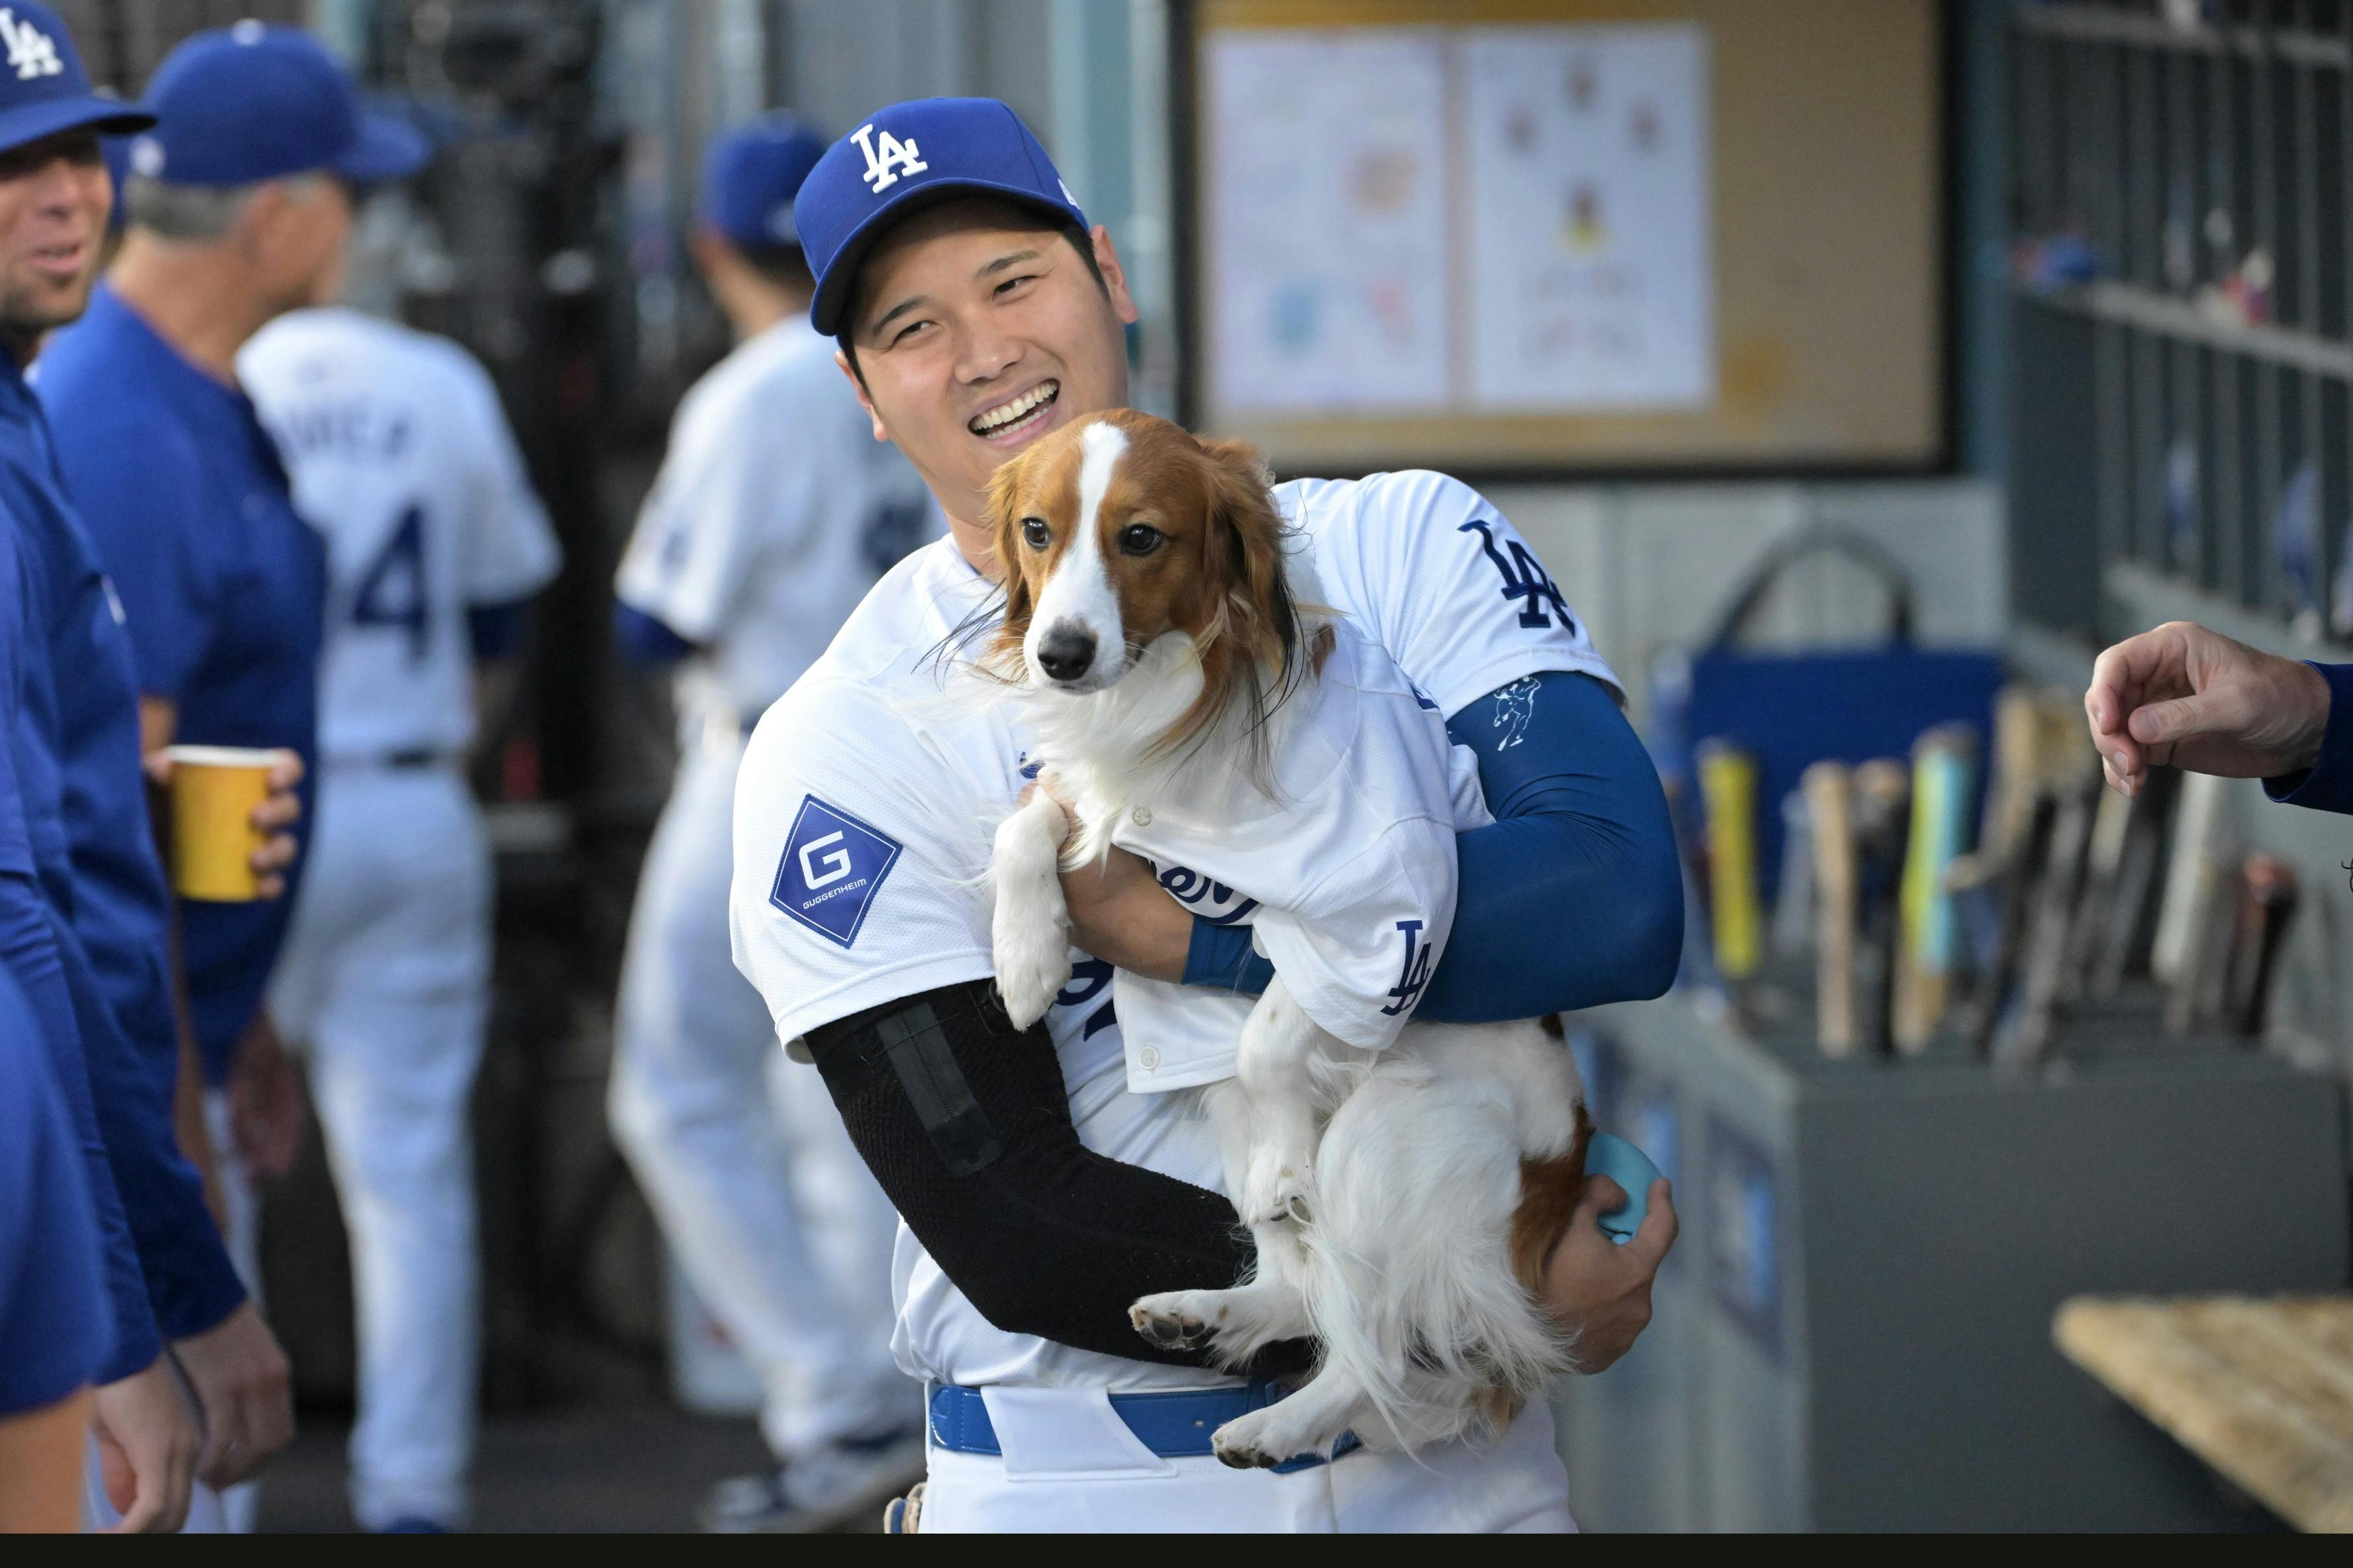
(1547, 237)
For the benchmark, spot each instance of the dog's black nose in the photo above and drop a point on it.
(1065, 653)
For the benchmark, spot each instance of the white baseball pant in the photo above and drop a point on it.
(386, 981)
(1069, 1465)
(766, 1204)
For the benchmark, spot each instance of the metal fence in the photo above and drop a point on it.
(2180, 216)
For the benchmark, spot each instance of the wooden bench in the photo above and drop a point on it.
(2260, 1389)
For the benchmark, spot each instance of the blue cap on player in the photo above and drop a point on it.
(750, 176)
(260, 102)
(44, 88)
(909, 157)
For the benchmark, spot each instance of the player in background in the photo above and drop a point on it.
(774, 513)
(403, 461)
(238, 213)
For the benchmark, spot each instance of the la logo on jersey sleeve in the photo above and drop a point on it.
(832, 867)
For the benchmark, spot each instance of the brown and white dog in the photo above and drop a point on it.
(1160, 635)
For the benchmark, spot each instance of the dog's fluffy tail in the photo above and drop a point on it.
(1414, 1275)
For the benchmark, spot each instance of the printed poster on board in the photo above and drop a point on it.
(1592, 282)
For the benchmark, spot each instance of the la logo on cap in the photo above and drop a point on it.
(33, 52)
(894, 159)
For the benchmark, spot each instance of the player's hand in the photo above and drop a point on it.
(265, 1101)
(1121, 914)
(1599, 1289)
(2194, 699)
(245, 1391)
(274, 819)
(147, 1441)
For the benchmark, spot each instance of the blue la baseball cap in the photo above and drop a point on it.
(909, 157)
(44, 88)
(750, 176)
(260, 102)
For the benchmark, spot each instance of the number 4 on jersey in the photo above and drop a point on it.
(1524, 578)
(391, 590)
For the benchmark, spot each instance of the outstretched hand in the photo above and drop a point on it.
(2195, 699)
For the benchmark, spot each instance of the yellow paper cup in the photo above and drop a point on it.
(214, 789)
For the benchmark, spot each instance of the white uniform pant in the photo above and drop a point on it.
(1070, 1466)
(386, 981)
(771, 1213)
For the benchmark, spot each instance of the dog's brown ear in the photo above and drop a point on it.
(1001, 516)
(1246, 533)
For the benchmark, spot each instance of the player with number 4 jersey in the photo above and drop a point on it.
(401, 459)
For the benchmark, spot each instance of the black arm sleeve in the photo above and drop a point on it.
(965, 1122)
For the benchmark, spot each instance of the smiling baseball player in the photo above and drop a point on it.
(773, 514)
(1043, 1188)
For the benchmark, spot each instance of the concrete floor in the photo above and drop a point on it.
(599, 1468)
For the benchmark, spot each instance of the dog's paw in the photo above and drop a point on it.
(1175, 1319)
(1258, 1441)
(1032, 967)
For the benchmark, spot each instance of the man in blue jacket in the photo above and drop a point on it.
(2193, 699)
(239, 207)
(78, 731)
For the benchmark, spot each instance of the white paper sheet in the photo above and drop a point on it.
(1326, 191)
(1591, 272)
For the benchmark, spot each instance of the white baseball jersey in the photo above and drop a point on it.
(869, 796)
(775, 510)
(1347, 867)
(401, 459)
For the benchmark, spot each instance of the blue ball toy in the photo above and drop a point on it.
(1609, 1156)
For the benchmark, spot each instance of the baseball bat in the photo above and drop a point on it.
(2266, 907)
(2189, 880)
(1727, 778)
(2132, 914)
(2103, 867)
(1881, 793)
(2200, 995)
(1942, 760)
(2028, 1040)
(1793, 905)
(1998, 985)
(1828, 790)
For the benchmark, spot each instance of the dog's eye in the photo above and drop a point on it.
(1139, 539)
(1036, 533)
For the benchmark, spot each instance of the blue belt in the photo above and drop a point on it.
(1174, 1426)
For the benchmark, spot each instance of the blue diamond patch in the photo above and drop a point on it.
(832, 867)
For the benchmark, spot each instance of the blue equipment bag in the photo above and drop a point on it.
(1790, 710)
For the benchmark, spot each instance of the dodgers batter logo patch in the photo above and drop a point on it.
(833, 867)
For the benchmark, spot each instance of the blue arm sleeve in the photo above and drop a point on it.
(645, 641)
(29, 950)
(1570, 898)
(2328, 785)
(495, 631)
(192, 1285)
